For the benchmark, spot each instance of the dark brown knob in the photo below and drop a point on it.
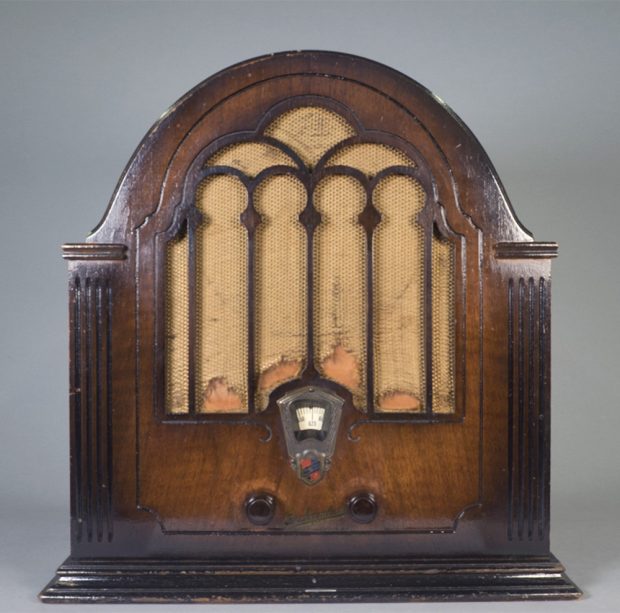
(260, 508)
(363, 507)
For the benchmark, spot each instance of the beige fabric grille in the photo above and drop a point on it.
(281, 295)
(398, 296)
(340, 285)
(250, 158)
(280, 280)
(443, 274)
(177, 325)
(310, 131)
(221, 293)
(370, 158)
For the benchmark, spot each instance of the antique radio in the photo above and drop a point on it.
(309, 355)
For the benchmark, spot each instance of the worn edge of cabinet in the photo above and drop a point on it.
(162, 581)
(526, 250)
(94, 251)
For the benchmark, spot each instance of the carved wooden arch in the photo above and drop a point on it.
(487, 496)
(431, 123)
(176, 207)
(184, 216)
(443, 137)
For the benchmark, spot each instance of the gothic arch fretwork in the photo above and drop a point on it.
(312, 173)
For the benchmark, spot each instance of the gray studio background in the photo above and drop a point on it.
(538, 83)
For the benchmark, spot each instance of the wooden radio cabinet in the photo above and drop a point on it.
(309, 355)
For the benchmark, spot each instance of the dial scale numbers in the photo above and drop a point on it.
(310, 417)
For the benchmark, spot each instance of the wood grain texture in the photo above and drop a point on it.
(462, 498)
(94, 251)
(528, 408)
(90, 301)
(162, 581)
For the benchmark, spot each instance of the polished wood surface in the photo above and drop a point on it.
(151, 490)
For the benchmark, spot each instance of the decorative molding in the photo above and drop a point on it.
(526, 251)
(310, 219)
(145, 564)
(94, 251)
(362, 580)
(91, 409)
(528, 409)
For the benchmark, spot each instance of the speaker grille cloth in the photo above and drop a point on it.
(280, 283)
(340, 286)
(443, 274)
(177, 325)
(250, 158)
(280, 279)
(310, 131)
(221, 297)
(370, 158)
(399, 296)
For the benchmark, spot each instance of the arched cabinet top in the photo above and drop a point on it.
(377, 97)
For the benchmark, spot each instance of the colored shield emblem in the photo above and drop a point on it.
(310, 467)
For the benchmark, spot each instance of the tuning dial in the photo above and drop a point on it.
(260, 508)
(363, 507)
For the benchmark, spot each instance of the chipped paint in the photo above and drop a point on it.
(399, 401)
(343, 367)
(277, 373)
(219, 397)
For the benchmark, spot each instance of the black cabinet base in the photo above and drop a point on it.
(84, 581)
